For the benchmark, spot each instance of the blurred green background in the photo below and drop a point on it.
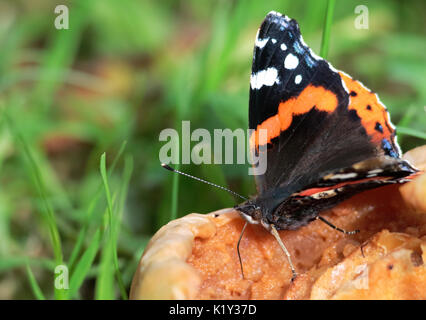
(124, 71)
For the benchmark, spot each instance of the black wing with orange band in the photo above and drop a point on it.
(319, 121)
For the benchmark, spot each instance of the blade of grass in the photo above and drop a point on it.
(126, 176)
(48, 214)
(112, 239)
(104, 288)
(325, 42)
(34, 285)
(84, 264)
(175, 194)
(82, 234)
(411, 132)
(405, 121)
(407, 117)
(11, 262)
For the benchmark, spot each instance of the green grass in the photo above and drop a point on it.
(85, 263)
(81, 111)
(36, 176)
(328, 22)
(47, 211)
(411, 132)
(113, 228)
(34, 285)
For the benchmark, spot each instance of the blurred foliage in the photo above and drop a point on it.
(124, 71)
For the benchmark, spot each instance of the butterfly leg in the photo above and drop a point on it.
(238, 249)
(336, 228)
(274, 232)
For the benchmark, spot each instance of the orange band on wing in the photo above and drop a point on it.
(374, 116)
(318, 97)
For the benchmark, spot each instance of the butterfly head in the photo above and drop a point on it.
(250, 211)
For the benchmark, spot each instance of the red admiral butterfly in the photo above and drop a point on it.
(328, 136)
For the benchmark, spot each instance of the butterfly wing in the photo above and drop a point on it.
(319, 121)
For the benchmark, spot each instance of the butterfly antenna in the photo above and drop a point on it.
(165, 166)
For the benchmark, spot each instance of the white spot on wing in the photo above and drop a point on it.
(291, 61)
(266, 77)
(343, 176)
(274, 41)
(375, 171)
(260, 43)
(298, 79)
(283, 47)
(275, 13)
